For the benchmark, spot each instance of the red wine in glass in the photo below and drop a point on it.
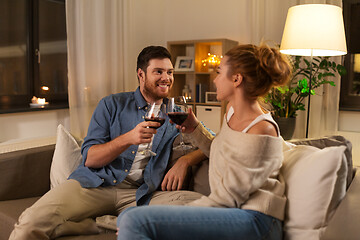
(178, 117)
(177, 110)
(156, 119)
(154, 113)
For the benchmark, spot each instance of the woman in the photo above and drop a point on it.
(247, 193)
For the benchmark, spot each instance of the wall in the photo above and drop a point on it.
(349, 121)
(32, 124)
(349, 127)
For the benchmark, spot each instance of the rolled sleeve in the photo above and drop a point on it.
(98, 131)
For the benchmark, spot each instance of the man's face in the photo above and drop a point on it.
(156, 83)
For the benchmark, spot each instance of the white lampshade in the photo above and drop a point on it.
(314, 29)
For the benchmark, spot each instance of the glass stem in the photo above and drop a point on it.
(148, 146)
(182, 143)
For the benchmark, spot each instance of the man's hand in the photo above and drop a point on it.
(175, 177)
(142, 133)
(102, 154)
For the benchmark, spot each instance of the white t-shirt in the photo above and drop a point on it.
(140, 161)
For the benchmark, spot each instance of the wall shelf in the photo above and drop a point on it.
(201, 79)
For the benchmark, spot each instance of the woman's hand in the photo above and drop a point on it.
(189, 124)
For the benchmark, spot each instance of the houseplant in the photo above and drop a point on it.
(286, 100)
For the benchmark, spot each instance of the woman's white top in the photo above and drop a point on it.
(262, 117)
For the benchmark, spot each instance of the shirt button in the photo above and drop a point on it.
(143, 117)
(145, 108)
(103, 180)
(133, 152)
(126, 170)
(139, 107)
(114, 181)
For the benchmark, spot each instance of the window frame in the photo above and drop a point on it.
(348, 102)
(20, 103)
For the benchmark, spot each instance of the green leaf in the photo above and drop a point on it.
(307, 62)
(303, 83)
(323, 64)
(278, 104)
(328, 74)
(341, 69)
(301, 106)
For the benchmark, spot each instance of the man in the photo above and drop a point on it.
(114, 175)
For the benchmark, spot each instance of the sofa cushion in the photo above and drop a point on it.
(10, 212)
(315, 184)
(200, 180)
(25, 173)
(67, 157)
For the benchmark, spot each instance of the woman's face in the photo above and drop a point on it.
(224, 84)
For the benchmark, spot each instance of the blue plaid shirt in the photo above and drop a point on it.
(115, 115)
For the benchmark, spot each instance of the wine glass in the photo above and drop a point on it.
(154, 113)
(177, 110)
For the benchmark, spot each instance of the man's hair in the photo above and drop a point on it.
(151, 52)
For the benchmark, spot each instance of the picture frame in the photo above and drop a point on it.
(184, 63)
(210, 97)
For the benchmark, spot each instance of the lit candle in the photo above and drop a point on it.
(41, 100)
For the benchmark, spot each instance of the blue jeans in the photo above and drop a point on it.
(182, 222)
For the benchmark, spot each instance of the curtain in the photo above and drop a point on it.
(96, 53)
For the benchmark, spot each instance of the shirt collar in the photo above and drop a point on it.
(140, 100)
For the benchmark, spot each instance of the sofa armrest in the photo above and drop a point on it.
(25, 173)
(345, 222)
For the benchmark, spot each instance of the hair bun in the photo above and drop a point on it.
(274, 64)
(261, 67)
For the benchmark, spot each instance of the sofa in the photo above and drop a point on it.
(322, 186)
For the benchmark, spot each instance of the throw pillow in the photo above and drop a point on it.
(200, 179)
(315, 184)
(330, 141)
(67, 157)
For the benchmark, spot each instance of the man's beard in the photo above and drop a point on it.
(150, 89)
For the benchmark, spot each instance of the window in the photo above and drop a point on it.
(350, 83)
(33, 53)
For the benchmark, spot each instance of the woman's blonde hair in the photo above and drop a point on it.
(262, 68)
